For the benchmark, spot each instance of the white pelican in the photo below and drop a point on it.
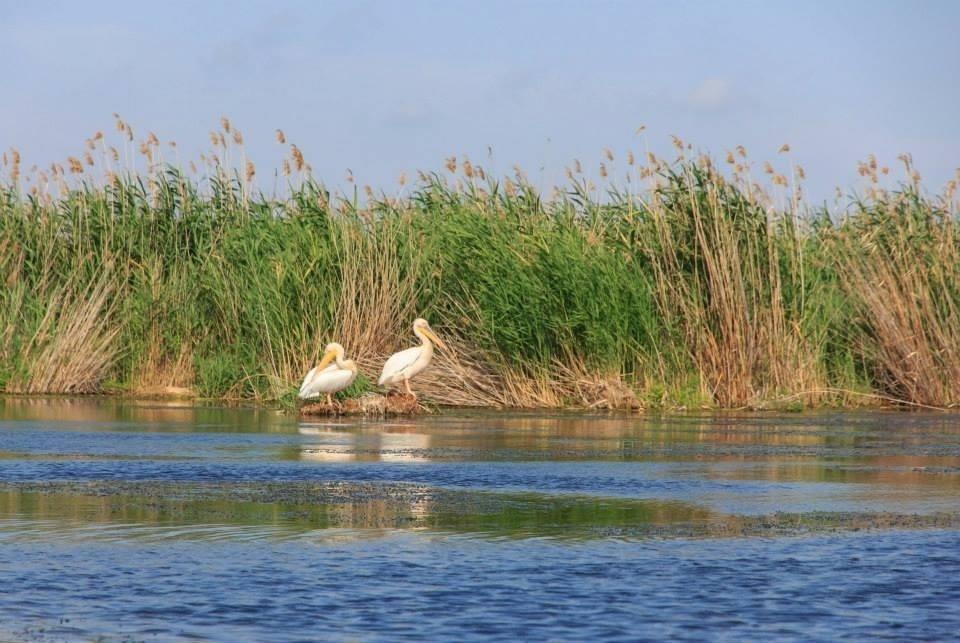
(329, 379)
(402, 366)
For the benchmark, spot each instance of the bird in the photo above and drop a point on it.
(403, 366)
(329, 379)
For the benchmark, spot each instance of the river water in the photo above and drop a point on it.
(153, 521)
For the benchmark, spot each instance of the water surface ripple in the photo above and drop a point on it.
(166, 522)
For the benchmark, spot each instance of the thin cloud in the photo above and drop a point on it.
(712, 94)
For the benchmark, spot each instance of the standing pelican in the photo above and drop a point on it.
(329, 379)
(402, 366)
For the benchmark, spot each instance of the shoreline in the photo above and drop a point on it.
(786, 405)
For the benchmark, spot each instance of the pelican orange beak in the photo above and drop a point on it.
(327, 358)
(436, 340)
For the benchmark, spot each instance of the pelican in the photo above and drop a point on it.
(329, 379)
(403, 366)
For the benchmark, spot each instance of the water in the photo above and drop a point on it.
(133, 521)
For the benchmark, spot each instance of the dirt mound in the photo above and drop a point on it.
(369, 404)
(164, 392)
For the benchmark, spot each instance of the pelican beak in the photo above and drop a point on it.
(436, 340)
(327, 358)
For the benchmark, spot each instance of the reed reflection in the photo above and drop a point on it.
(112, 414)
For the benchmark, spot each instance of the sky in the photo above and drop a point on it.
(383, 88)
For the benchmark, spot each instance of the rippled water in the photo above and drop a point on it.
(153, 521)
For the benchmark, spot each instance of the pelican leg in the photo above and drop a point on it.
(329, 400)
(406, 384)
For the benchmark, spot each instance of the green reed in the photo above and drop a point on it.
(697, 289)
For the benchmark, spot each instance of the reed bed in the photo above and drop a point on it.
(678, 283)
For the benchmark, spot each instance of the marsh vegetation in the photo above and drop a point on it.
(677, 282)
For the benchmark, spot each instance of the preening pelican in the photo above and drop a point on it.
(402, 366)
(329, 379)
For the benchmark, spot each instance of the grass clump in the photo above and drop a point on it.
(900, 259)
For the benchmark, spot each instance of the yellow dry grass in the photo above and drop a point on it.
(904, 285)
(731, 309)
(74, 345)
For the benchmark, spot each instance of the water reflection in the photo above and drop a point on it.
(734, 463)
(106, 414)
(188, 521)
(68, 516)
(386, 444)
(113, 512)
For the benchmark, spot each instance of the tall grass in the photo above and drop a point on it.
(728, 279)
(686, 284)
(901, 262)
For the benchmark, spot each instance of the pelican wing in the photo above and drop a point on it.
(335, 380)
(305, 391)
(398, 363)
(316, 383)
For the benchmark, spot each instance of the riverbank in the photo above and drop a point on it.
(677, 284)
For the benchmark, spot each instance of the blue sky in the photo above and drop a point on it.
(387, 87)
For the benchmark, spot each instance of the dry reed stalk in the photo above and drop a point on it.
(458, 376)
(730, 307)
(375, 308)
(378, 293)
(582, 386)
(74, 346)
(906, 301)
(12, 291)
(159, 370)
(285, 364)
(465, 376)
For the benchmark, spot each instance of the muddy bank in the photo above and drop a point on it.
(160, 392)
(367, 405)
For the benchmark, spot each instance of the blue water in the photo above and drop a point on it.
(417, 585)
(558, 527)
